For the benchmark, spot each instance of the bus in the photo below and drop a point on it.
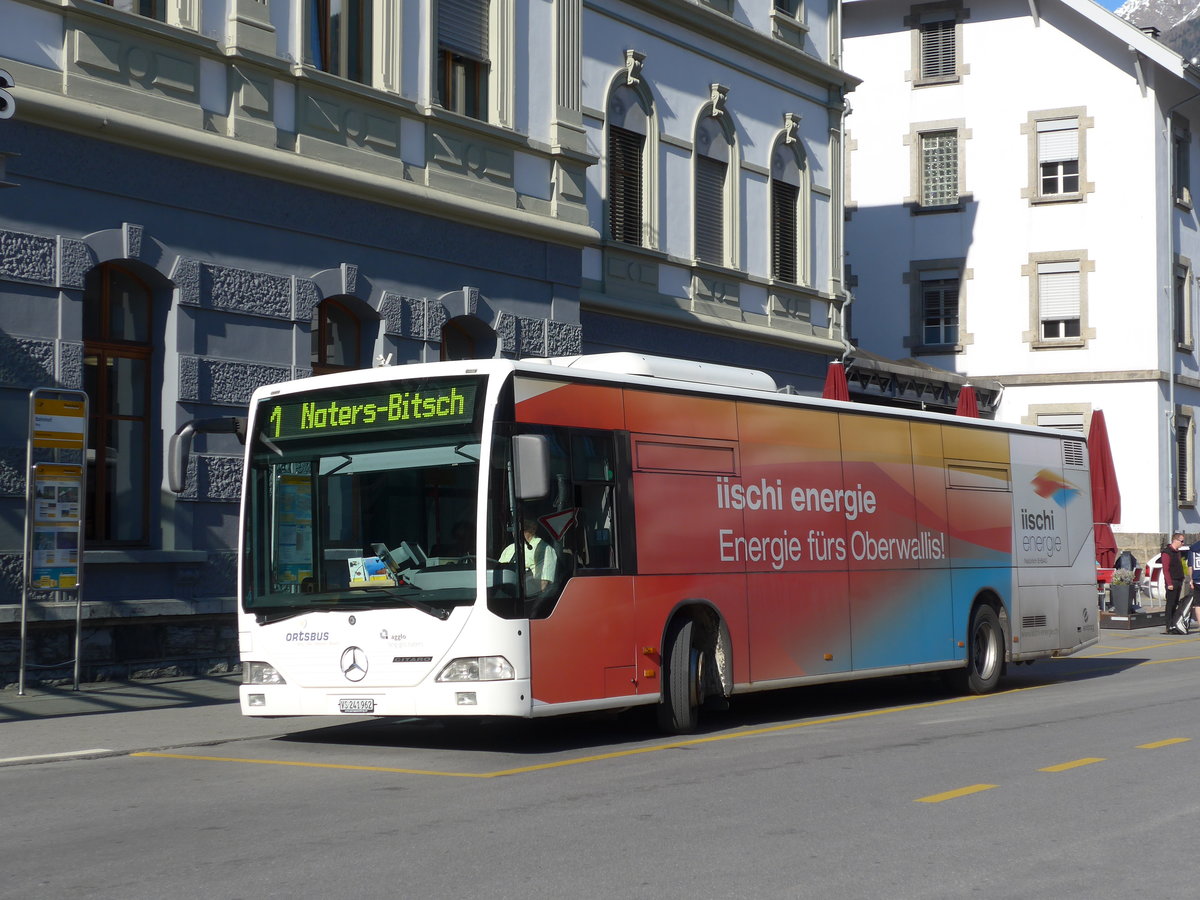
(527, 538)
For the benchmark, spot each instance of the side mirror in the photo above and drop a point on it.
(531, 466)
(180, 447)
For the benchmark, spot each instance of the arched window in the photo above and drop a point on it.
(713, 152)
(336, 338)
(117, 357)
(628, 123)
(789, 214)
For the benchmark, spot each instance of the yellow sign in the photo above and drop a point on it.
(59, 424)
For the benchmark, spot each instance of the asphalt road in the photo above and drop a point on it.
(1074, 781)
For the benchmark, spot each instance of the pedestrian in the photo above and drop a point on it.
(1173, 581)
(1193, 561)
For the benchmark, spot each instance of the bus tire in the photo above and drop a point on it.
(678, 708)
(985, 652)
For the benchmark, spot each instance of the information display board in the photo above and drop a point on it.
(54, 556)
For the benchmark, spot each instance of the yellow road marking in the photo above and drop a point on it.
(306, 765)
(952, 795)
(1167, 743)
(1074, 764)
(616, 754)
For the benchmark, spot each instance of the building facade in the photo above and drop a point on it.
(203, 196)
(1019, 209)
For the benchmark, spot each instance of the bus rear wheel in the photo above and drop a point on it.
(682, 674)
(985, 652)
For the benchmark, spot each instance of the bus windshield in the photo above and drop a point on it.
(365, 497)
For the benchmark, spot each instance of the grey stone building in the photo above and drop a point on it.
(203, 196)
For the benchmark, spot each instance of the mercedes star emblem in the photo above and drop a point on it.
(354, 663)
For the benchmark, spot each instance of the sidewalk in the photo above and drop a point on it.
(112, 719)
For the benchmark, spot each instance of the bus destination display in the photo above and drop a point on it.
(441, 403)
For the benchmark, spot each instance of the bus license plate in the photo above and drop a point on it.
(357, 705)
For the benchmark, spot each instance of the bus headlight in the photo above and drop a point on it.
(478, 668)
(260, 673)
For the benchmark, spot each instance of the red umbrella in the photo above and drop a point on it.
(836, 387)
(968, 404)
(1106, 494)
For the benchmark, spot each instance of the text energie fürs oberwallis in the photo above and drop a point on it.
(814, 544)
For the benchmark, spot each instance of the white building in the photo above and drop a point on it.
(1020, 210)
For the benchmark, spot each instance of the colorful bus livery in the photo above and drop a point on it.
(607, 531)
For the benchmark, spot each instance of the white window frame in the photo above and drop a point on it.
(715, 141)
(1181, 304)
(789, 166)
(926, 272)
(1058, 292)
(1181, 165)
(1057, 137)
(500, 64)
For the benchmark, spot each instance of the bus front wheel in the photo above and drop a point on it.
(682, 674)
(985, 652)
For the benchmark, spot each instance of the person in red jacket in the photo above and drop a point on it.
(1172, 568)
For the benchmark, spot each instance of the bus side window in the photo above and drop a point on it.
(593, 471)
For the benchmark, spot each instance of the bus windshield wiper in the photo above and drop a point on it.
(438, 612)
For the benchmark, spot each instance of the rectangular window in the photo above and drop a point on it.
(151, 9)
(1058, 300)
(1182, 303)
(710, 210)
(784, 213)
(1181, 143)
(939, 308)
(625, 150)
(1058, 156)
(340, 38)
(463, 62)
(938, 51)
(939, 169)
(1183, 455)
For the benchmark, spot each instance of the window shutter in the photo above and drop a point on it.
(625, 184)
(463, 27)
(710, 210)
(1058, 290)
(1058, 140)
(937, 48)
(784, 201)
(1184, 486)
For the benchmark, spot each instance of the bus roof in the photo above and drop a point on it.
(640, 370)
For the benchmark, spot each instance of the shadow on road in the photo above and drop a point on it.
(636, 727)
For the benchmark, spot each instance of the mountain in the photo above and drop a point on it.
(1178, 22)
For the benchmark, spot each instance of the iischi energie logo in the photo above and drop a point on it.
(1051, 486)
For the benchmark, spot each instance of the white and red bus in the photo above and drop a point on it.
(538, 537)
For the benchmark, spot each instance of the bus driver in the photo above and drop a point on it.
(541, 560)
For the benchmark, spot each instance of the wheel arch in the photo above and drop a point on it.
(707, 616)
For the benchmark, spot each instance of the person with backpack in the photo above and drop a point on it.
(1173, 580)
